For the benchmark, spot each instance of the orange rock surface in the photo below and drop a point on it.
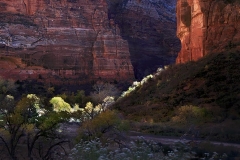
(207, 26)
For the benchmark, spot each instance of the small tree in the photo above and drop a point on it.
(103, 90)
(22, 122)
(107, 122)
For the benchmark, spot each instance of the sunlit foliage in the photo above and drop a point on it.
(60, 105)
(137, 84)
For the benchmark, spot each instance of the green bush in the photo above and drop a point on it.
(189, 114)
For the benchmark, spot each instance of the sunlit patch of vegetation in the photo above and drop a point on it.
(136, 84)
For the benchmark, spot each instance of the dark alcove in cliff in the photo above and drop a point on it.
(150, 29)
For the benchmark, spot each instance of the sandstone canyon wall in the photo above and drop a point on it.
(207, 26)
(149, 26)
(61, 41)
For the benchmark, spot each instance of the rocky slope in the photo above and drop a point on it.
(149, 26)
(72, 40)
(207, 27)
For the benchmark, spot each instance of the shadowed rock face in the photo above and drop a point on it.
(207, 26)
(72, 40)
(149, 26)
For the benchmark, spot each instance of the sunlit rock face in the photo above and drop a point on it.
(149, 26)
(72, 41)
(207, 26)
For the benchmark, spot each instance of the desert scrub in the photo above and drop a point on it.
(95, 150)
(138, 149)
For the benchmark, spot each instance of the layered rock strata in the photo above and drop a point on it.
(72, 41)
(207, 26)
(149, 26)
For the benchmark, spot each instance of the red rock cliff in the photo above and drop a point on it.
(207, 26)
(72, 40)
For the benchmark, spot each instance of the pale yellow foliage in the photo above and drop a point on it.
(60, 105)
